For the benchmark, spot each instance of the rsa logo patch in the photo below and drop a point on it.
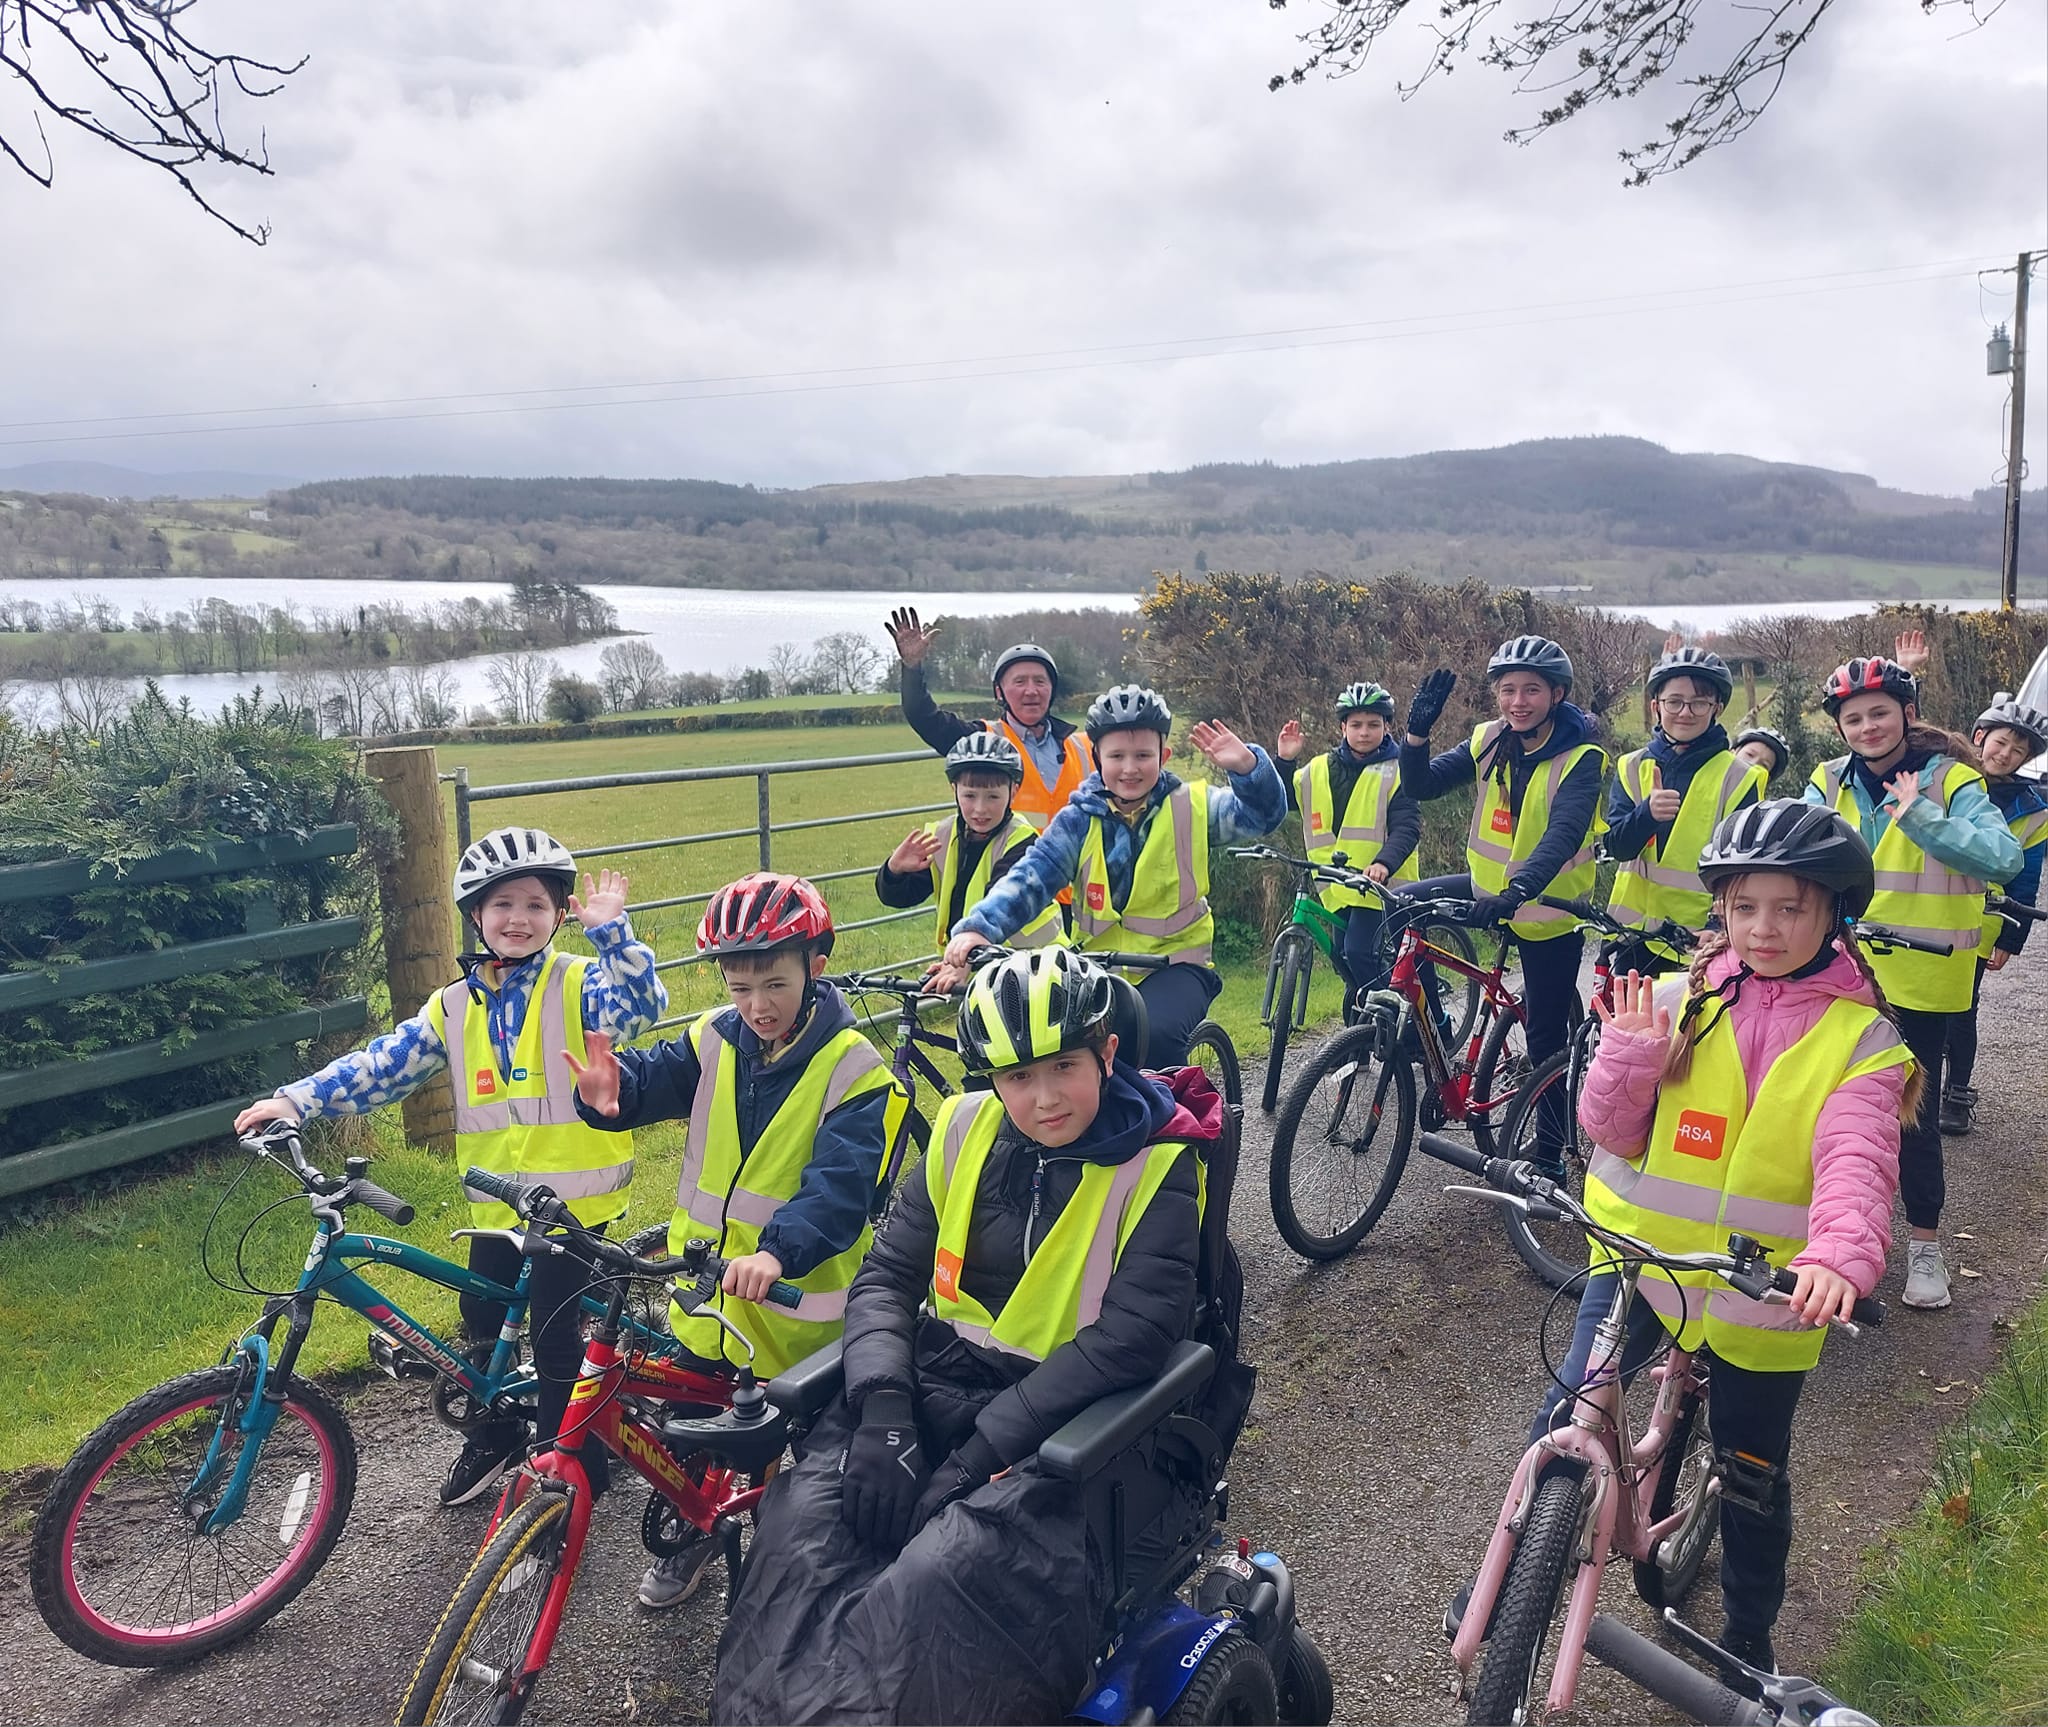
(946, 1274)
(1097, 897)
(1315, 821)
(1700, 1134)
(486, 1082)
(1503, 820)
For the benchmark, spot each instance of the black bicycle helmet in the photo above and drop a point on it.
(988, 752)
(1365, 698)
(1030, 1005)
(1697, 664)
(1128, 707)
(506, 853)
(1781, 749)
(1021, 652)
(1863, 677)
(1794, 838)
(1532, 654)
(2030, 722)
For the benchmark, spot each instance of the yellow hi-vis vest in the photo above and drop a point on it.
(2030, 828)
(1718, 1163)
(1042, 930)
(1168, 908)
(727, 1197)
(1360, 832)
(1664, 881)
(1498, 841)
(1061, 1290)
(524, 1124)
(1919, 896)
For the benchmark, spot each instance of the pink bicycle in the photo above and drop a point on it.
(1590, 1488)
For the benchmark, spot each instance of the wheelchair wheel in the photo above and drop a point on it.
(1210, 1049)
(1308, 1698)
(1234, 1683)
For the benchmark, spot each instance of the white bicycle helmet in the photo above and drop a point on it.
(505, 853)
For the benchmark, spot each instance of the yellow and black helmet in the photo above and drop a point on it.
(1031, 1005)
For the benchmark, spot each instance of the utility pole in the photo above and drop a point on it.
(2015, 465)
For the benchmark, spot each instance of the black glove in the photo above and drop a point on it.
(1428, 706)
(1489, 909)
(968, 1468)
(882, 1471)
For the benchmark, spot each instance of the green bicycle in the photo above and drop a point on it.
(1312, 928)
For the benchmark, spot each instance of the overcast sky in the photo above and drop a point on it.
(527, 196)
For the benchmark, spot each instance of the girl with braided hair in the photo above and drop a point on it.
(1761, 1093)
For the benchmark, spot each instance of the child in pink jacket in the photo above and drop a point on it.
(1787, 879)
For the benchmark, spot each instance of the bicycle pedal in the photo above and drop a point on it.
(395, 1360)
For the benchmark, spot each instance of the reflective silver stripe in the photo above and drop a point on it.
(492, 1117)
(1931, 877)
(1373, 832)
(1658, 1193)
(710, 1053)
(855, 1063)
(1045, 936)
(742, 1205)
(1831, 779)
(1878, 1036)
(958, 1126)
(1182, 805)
(988, 1340)
(482, 1117)
(1673, 1301)
(1765, 1217)
(1100, 1265)
(818, 1306)
(1732, 1307)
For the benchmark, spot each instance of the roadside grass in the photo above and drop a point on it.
(1956, 1627)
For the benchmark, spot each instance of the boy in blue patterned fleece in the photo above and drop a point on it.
(504, 1031)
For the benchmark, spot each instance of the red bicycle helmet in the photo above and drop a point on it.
(1861, 677)
(765, 911)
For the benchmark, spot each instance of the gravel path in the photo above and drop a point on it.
(1393, 1391)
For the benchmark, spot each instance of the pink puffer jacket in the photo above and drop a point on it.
(1856, 1146)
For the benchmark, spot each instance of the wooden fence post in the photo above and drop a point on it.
(419, 918)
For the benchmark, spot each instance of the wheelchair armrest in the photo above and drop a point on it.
(803, 1390)
(1085, 1444)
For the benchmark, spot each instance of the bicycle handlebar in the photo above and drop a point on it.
(697, 1263)
(1663, 929)
(1744, 1267)
(355, 1188)
(2002, 906)
(1884, 938)
(380, 1200)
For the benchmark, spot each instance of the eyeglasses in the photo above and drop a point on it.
(1686, 704)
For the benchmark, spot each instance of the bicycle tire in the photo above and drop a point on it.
(496, 1611)
(1290, 1000)
(1678, 1472)
(1333, 1072)
(1528, 1602)
(1459, 996)
(1555, 1252)
(166, 1433)
(1497, 1076)
(1210, 1049)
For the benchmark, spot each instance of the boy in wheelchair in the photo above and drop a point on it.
(922, 1562)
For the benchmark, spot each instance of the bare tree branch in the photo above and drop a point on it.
(125, 73)
(1584, 52)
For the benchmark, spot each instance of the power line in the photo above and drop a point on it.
(1109, 357)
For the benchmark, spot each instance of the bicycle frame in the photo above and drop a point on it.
(1319, 924)
(1621, 1474)
(1453, 1086)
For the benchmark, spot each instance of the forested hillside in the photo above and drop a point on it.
(1626, 518)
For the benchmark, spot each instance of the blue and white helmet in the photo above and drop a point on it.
(505, 853)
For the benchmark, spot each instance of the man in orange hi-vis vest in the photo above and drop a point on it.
(1026, 684)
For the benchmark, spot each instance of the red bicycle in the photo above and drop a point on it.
(1347, 1123)
(708, 1463)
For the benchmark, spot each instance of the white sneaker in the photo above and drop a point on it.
(674, 1580)
(1926, 1276)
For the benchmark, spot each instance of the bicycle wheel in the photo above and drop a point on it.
(1682, 1474)
(119, 1563)
(1341, 1140)
(475, 1668)
(1497, 1076)
(1543, 1127)
(1292, 959)
(1459, 996)
(1528, 1602)
(1210, 1049)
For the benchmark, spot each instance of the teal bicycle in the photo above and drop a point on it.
(1312, 928)
(200, 1510)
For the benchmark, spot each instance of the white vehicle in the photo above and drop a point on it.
(2033, 690)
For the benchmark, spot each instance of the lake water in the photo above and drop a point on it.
(695, 629)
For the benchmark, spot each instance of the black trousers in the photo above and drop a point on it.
(1750, 1412)
(554, 1325)
(1177, 999)
(1962, 1038)
(1920, 1179)
(1359, 961)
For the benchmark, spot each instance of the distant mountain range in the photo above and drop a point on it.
(102, 480)
(1616, 518)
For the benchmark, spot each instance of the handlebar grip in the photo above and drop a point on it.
(381, 1201)
(1867, 1311)
(1583, 910)
(783, 1295)
(499, 1187)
